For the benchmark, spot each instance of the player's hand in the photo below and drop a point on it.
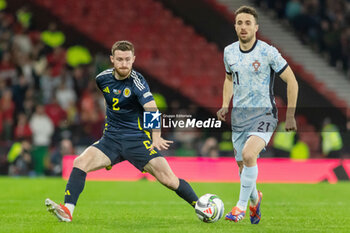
(160, 143)
(291, 124)
(221, 114)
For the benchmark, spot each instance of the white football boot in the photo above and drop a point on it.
(60, 211)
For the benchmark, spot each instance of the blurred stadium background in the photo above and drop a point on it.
(51, 51)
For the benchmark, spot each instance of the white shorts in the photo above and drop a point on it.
(263, 127)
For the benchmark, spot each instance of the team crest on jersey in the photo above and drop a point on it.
(127, 92)
(116, 91)
(256, 65)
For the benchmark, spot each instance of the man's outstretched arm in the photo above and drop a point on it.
(292, 96)
(226, 97)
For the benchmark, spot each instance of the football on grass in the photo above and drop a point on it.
(209, 208)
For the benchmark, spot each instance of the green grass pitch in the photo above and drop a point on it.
(145, 206)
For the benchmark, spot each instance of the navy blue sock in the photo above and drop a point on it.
(74, 186)
(186, 192)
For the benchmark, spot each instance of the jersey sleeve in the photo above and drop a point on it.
(98, 82)
(142, 91)
(227, 66)
(277, 62)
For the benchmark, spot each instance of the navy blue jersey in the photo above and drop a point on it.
(124, 100)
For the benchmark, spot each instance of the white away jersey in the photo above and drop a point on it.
(253, 74)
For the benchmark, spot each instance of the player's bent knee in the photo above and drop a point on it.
(247, 161)
(248, 158)
(91, 159)
(79, 163)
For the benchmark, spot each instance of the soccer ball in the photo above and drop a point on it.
(209, 208)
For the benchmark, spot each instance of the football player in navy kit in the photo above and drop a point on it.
(127, 96)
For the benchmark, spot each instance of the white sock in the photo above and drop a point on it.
(254, 198)
(254, 195)
(248, 182)
(70, 208)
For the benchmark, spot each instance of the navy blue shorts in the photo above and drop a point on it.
(134, 150)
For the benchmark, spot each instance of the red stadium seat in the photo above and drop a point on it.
(165, 46)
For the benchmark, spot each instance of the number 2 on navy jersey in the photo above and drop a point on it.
(236, 81)
(115, 102)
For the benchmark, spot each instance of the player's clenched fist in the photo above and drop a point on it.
(221, 114)
(291, 124)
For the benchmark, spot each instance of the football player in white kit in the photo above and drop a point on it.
(251, 66)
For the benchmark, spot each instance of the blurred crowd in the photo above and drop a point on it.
(47, 95)
(324, 24)
(50, 106)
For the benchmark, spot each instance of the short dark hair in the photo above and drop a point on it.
(123, 45)
(248, 10)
